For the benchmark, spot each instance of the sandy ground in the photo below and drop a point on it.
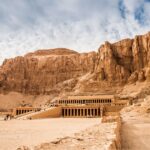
(97, 137)
(135, 132)
(16, 133)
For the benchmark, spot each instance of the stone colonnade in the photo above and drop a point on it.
(22, 110)
(82, 112)
(91, 101)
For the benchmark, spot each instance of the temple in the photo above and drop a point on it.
(90, 106)
(76, 106)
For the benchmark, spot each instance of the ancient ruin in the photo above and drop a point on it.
(76, 106)
(90, 106)
(22, 110)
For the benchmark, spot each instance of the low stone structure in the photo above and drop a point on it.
(22, 110)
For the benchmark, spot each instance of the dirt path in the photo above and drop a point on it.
(135, 133)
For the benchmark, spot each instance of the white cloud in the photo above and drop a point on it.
(81, 25)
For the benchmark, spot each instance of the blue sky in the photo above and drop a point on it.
(82, 25)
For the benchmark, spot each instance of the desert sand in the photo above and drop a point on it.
(15, 133)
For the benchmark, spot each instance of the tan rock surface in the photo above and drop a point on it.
(136, 125)
(40, 72)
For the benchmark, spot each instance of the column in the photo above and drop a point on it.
(79, 112)
(16, 112)
(69, 112)
(65, 112)
(90, 112)
(62, 112)
(94, 112)
(98, 111)
(84, 112)
(101, 112)
(75, 112)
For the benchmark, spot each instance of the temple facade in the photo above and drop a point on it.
(90, 106)
(77, 106)
(82, 111)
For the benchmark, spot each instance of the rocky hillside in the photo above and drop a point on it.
(55, 70)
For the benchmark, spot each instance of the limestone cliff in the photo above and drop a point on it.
(52, 71)
(40, 72)
(126, 60)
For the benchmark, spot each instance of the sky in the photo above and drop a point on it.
(81, 25)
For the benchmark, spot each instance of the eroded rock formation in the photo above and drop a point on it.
(40, 72)
(51, 71)
(126, 59)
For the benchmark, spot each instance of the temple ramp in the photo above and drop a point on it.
(52, 112)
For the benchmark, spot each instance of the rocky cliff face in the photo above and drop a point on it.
(124, 61)
(40, 72)
(51, 71)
